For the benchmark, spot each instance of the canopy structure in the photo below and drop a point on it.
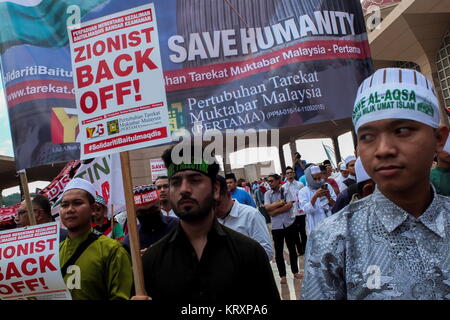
(9, 174)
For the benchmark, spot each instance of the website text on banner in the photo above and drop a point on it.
(29, 264)
(118, 81)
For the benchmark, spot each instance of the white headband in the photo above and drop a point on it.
(315, 170)
(394, 93)
(343, 166)
(82, 184)
(361, 174)
(348, 159)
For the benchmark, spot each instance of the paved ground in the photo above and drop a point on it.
(291, 290)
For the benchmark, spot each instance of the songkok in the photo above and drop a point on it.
(349, 159)
(315, 170)
(101, 200)
(394, 93)
(82, 184)
(361, 174)
(343, 166)
(144, 195)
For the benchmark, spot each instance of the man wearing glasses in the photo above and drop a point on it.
(42, 212)
(279, 203)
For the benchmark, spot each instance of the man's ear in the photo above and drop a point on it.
(441, 137)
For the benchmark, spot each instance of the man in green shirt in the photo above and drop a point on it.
(103, 270)
(440, 176)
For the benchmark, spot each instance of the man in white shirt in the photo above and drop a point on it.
(294, 187)
(317, 199)
(162, 184)
(242, 218)
(278, 204)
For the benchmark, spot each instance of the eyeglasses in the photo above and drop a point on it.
(270, 181)
(21, 212)
(289, 172)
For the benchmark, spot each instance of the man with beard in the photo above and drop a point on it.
(153, 225)
(201, 260)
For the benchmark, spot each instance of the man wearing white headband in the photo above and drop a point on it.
(102, 270)
(349, 163)
(316, 199)
(393, 244)
(363, 187)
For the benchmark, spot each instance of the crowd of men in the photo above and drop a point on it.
(379, 228)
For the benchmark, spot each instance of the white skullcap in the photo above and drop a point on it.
(394, 93)
(361, 174)
(82, 184)
(315, 170)
(343, 166)
(348, 159)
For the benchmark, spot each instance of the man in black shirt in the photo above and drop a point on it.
(201, 260)
(153, 225)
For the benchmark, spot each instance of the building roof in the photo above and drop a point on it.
(9, 178)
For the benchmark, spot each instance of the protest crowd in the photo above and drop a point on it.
(207, 237)
(96, 80)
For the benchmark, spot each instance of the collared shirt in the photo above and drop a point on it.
(250, 222)
(294, 187)
(232, 267)
(105, 269)
(285, 219)
(317, 212)
(243, 197)
(149, 235)
(170, 214)
(373, 249)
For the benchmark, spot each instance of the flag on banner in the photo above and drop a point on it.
(39, 22)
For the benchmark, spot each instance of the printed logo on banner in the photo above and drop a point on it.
(113, 127)
(176, 117)
(95, 132)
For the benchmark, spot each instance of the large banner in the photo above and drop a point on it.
(233, 64)
(29, 264)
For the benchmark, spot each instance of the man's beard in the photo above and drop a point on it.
(194, 215)
(149, 217)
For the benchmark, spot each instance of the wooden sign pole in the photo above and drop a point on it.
(132, 225)
(26, 193)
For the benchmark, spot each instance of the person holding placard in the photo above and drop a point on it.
(202, 260)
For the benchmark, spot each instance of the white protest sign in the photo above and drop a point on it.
(157, 168)
(29, 264)
(118, 81)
